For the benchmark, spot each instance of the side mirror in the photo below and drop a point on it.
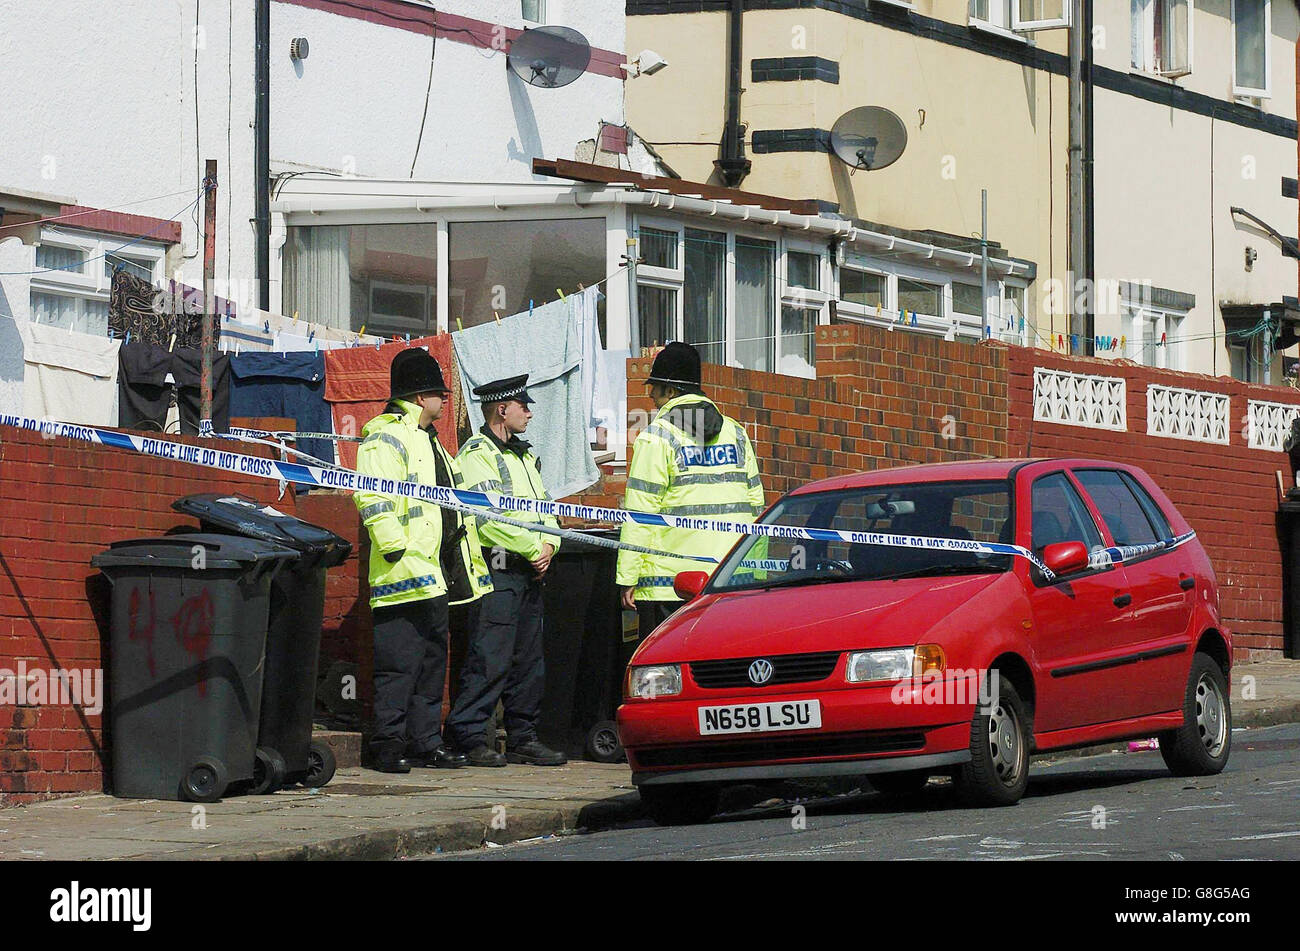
(1065, 558)
(688, 584)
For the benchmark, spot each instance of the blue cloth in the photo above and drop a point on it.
(284, 384)
(547, 345)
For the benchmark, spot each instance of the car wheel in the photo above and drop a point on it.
(998, 772)
(686, 804)
(1201, 745)
(905, 783)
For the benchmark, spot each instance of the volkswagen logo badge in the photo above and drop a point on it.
(760, 671)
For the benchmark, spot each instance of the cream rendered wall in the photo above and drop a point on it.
(986, 123)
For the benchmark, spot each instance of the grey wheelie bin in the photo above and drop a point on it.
(188, 633)
(286, 752)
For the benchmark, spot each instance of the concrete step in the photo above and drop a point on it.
(346, 746)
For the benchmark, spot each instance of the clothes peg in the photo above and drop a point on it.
(408, 340)
(378, 342)
(295, 318)
(312, 335)
(1163, 340)
(171, 347)
(128, 336)
(530, 307)
(1123, 342)
(1074, 342)
(1060, 342)
(362, 332)
(561, 293)
(494, 314)
(459, 326)
(266, 326)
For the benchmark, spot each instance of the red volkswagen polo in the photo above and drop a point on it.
(806, 657)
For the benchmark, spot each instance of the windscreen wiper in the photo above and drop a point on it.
(940, 570)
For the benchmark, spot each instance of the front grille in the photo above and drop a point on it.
(795, 747)
(786, 669)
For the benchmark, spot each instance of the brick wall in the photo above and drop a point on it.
(61, 502)
(1227, 493)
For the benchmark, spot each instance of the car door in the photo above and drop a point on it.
(1155, 645)
(1078, 618)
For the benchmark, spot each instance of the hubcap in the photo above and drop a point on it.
(1005, 745)
(1211, 720)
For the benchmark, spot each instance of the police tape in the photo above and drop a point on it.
(347, 480)
(287, 434)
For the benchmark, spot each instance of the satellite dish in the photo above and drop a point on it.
(869, 137)
(549, 56)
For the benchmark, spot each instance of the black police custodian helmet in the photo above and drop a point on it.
(677, 364)
(415, 371)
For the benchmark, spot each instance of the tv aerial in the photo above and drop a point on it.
(869, 137)
(549, 56)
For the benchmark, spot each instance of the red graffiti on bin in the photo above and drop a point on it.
(193, 626)
(142, 629)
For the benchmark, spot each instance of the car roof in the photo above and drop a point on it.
(973, 470)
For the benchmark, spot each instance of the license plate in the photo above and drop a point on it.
(761, 717)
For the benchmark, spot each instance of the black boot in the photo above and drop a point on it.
(534, 753)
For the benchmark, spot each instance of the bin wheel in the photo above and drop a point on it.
(268, 771)
(205, 780)
(603, 744)
(321, 765)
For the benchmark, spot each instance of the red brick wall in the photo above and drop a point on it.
(61, 502)
(1227, 493)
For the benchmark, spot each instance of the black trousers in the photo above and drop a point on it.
(410, 666)
(504, 662)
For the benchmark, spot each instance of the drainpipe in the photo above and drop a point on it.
(1089, 194)
(732, 165)
(262, 153)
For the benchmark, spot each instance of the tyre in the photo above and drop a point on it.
(603, 744)
(905, 783)
(686, 804)
(321, 765)
(998, 772)
(268, 771)
(205, 780)
(1201, 745)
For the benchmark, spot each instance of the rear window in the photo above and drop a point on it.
(1125, 516)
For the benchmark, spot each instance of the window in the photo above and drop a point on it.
(755, 303)
(658, 248)
(1149, 506)
(533, 10)
(1250, 26)
(803, 269)
(1040, 14)
(863, 288)
(704, 294)
(1059, 515)
(1154, 336)
(966, 299)
(1161, 36)
(499, 267)
(1119, 507)
(991, 13)
(657, 313)
(74, 276)
(920, 297)
(1246, 359)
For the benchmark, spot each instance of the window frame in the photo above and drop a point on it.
(89, 283)
(1168, 322)
(1147, 67)
(1079, 472)
(993, 25)
(541, 12)
(1046, 23)
(1248, 92)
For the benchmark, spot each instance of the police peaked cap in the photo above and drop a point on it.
(414, 371)
(677, 364)
(511, 388)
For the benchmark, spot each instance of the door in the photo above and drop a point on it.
(1158, 641)
(1077, 619)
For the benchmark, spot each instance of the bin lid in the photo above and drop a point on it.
(250, 518)
(178, 551)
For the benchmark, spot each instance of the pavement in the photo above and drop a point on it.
(367, 815)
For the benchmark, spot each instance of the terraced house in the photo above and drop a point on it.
(1188, 131)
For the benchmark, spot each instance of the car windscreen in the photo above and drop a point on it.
(979, 511)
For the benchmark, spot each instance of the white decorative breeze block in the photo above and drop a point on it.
(1268, 424)
(1188, 414)
(1079, 399)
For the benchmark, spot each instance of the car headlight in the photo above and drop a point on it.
(647, 683)
(892, 664)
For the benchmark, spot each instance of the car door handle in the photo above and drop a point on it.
(1187, 584)
(1123, 600)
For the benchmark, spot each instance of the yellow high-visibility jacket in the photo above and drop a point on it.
(396, 448)
(489, 468)
(691, 460)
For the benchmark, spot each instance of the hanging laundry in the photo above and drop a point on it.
(154, 316)
(291, 385)
(69, 376)
(286, 342)
(144, 393)
(544, 344)
(238, 336)
(357, 387)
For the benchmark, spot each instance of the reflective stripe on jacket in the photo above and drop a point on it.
(488, 468)
(674, 473)
(396, 448)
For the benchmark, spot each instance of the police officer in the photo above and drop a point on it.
(504, 659)
(417, 553)
(690, 460)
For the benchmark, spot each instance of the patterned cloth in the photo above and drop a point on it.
(152, 315)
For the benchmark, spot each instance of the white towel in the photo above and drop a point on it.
(69, 376)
